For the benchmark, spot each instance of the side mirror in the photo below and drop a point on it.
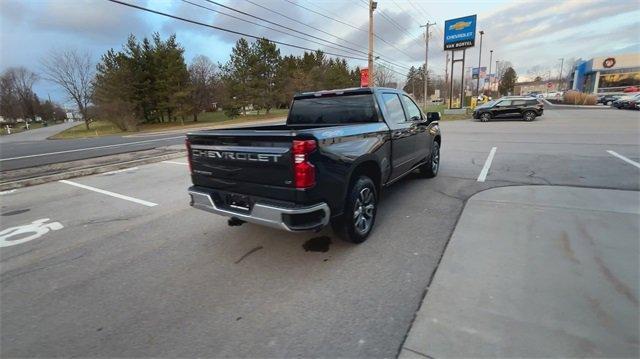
(433, 116)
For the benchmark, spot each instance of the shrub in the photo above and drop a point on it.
(232, 112)
(579, 98)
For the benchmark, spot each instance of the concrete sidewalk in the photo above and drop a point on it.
(536, 271)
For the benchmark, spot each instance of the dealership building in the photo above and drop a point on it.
(607, 74)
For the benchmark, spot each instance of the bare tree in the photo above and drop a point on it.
(384, 77)
(202, 77)
(17, 93)
(73, 71)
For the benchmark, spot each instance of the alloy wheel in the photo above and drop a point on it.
(364, 211)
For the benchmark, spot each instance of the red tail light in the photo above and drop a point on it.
(187, 143)
(304, 173)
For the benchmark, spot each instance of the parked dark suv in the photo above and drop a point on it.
(526, 107)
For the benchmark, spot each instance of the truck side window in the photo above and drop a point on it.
(413, 112)
(393, 108)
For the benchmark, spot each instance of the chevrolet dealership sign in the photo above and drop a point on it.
(460, 33)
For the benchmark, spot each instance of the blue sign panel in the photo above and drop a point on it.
(460, 33)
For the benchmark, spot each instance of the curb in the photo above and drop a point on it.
(87, 171)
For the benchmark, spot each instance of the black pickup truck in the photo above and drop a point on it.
(327, 164)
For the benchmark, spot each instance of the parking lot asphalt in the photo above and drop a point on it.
(118, 264)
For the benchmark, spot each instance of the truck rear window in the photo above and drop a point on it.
(333, 110)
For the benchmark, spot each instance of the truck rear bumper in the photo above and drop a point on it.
(287, 218)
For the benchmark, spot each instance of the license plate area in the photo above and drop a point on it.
(239, 203)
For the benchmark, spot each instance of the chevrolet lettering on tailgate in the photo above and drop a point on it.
(237, 156)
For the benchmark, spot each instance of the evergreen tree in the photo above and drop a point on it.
(508, 81)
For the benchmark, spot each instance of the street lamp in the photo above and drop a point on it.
(497, 77)
(479, 62)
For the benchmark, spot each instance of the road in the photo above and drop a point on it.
(29, 149)
(135, 271)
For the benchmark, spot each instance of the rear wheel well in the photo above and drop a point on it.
(370, 169)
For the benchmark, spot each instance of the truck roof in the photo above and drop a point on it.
(345, 91)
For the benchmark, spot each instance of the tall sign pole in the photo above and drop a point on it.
(372, 6)
(426, 61)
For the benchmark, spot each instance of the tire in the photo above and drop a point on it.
(431, 167)
(485, 117)
(360, 209)
(529, 116)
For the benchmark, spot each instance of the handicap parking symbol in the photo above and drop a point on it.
(28, 232)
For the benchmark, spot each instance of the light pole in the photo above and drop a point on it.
(490, 59)
(479, 62)
(560, 77)
(497, 77)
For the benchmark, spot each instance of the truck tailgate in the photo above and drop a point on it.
(260, 157)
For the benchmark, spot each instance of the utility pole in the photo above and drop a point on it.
(479, 63)
(490, 59)
(426, 61)
(372, 6)
(560, 77)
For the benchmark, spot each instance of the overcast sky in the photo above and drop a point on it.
(532, 35)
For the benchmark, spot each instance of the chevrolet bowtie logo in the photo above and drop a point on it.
(460, 25)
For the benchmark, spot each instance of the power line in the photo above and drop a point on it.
(349, 25)
(303, 23)
(410, 14)
(230, 31)
(282, 26)
(268, 27)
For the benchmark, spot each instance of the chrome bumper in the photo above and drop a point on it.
(266, 215)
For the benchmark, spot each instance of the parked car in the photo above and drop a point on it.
(608, 99)
(524, 107)
(328, 164)
(624, 102)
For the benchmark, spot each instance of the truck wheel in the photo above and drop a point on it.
(485, 117)
(360, 212)
(431, 167)
(529, 116)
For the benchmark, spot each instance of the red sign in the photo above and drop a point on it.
(549, 85)
(364, 78)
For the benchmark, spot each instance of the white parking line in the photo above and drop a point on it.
(119, 171)
(487, 165)
(89, 148)
(631, 162)
(176, 163)
(108, 193)
(7, 191)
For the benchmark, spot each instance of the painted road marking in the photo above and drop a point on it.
(108, 193)
(37, 229)
(119, 171)
(631, 162)
(7, 192)
(176, 163)
(487, 165)
(90, 148)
